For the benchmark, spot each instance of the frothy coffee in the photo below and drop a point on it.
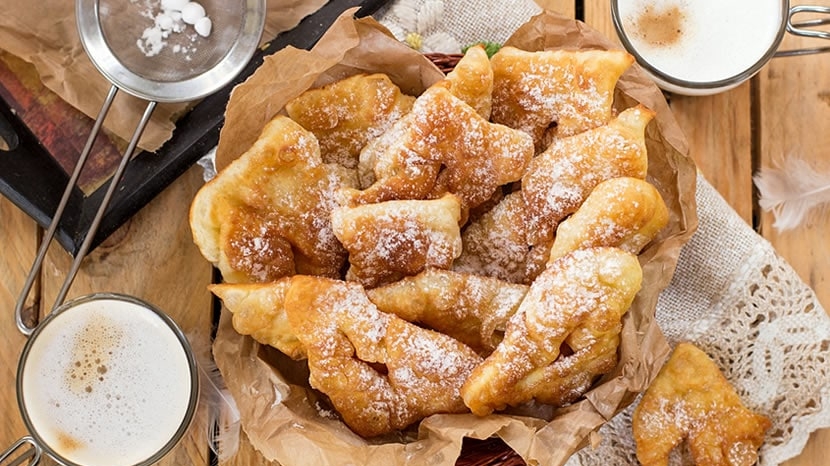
(106, 382)
(701, 40)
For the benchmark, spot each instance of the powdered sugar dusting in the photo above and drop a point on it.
(577, 299)
(559, 180)
(392, 239)
(172, 17)
(442, 145)
(539, 91)
(380, 372)
(470, 308)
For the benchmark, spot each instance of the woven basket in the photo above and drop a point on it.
(445, 62)
(489, 452)
(492, 451)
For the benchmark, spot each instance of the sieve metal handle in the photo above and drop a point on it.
(806, 28)
(35, 452)
(99, 214)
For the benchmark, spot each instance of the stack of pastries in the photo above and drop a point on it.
(470, 249)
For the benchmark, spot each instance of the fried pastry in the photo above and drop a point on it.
(559, 180)
(348, 113)
(472, 81)
(259, 311)
(691, 400)
(265, 216)
(470, 308)
(571, 375)
(496, 244)
(380, 372)
(393, 239)
(623, 212)
(566, 90)
(578, 300)
(443, 146)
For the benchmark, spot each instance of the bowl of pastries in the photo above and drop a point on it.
(411, 258)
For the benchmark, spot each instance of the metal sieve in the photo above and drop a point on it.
(187, 67)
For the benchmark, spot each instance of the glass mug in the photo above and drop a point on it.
(105, 379)
(702, 47)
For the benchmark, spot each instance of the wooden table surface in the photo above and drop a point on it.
(783, 111)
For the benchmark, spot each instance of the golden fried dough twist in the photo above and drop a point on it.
(470, 308)
(380, 372)
(442, 146)
(578, 300)
(496, 244)
(265, 216)
(259, 311)
(472, 81)
(393, 239)
(346, 114)
(623, 212)
(691, 399)
(570, 375)
(559, 179)
(561, 90)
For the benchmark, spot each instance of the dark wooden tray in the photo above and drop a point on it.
(34, 179)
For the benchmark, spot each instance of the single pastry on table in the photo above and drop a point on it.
(390, 240)
(348, 113)
(624, 212)
(576, 303)
(265, 216)
(690, 399)
(470, 308)
(380, 372)
(559, 179)
(555, 92)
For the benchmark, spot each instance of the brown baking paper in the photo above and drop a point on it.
(290, 423)
(45, 35)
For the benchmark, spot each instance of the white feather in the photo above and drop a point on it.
(791, 190)
(218, 413)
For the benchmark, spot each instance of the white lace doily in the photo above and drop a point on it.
(732, 294)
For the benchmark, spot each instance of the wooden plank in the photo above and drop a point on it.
(719, 131)
(18, 235)
(153, 258)
(598, 16)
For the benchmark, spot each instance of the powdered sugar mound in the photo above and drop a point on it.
(203, 26)
(172, 17)
(192, 12)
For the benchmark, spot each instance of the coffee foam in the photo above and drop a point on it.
(106, 383)
(701, 40)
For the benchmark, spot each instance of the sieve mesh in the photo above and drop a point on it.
(182, 55)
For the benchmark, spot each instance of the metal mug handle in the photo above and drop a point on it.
(35, 452)
(806, 29)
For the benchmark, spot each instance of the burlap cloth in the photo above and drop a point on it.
(732, 294)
